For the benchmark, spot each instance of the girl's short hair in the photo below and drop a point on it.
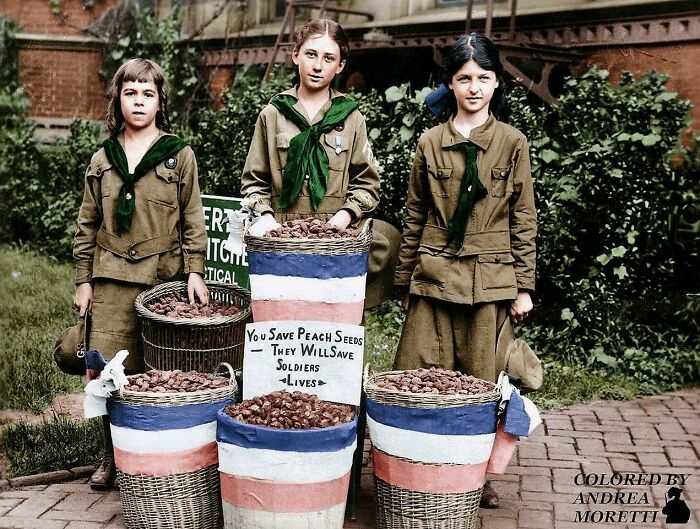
(320, 27)
(144, 71)
(484, 52)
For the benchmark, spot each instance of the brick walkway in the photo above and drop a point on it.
(654, 436)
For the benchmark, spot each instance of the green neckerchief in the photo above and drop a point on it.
(165, 147)
(306, 154)
(470, 190)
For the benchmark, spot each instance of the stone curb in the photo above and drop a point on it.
(47, 478)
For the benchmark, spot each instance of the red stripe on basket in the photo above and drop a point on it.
(503, 448)
(273, 496)
(423, 477)
(275, 310)
(165, 464)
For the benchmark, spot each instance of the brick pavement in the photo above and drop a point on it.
(657, 435)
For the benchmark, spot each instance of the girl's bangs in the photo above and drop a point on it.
(142, 72)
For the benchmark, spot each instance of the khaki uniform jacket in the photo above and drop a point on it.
(498, 254)
(353, 180)
(167, 236)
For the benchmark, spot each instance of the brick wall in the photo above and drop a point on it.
(61, 78)
(679, 61)
(35, 15)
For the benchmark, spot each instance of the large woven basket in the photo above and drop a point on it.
(400, 508)
(187, 500)
(341, 246)
(198, 344)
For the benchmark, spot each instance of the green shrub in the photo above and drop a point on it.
(58, 444)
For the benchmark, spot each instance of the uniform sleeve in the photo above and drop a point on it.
(192, 227)
(362, 196)
(416, 215)
(89, 221)
(256, 180)
(523, 219)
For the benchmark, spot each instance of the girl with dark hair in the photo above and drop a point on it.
(140, 222)
(467, 259)
(310, 154)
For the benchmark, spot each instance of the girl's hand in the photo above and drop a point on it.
(520, 307)
(342, 219)
(262, 225)
(195, 285)
(82, 301)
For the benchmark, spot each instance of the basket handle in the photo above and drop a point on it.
(366, 374)
(229, 368)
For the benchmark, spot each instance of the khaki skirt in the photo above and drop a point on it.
(115, 324)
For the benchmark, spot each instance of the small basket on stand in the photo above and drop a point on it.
(198, 344)
(424, 494)
(166, 456)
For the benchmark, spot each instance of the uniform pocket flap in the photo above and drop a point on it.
(337, 142)
(282, 140)
(504, 258)
(501, 173)
(99, 169)
(440, 172)
(169, 175)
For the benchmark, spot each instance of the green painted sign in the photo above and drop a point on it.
(222, 264)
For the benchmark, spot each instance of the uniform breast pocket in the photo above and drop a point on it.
(500, 181)
(282, 141)
(442, 182)
(337, 148)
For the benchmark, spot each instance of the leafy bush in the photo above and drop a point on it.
(58, 444)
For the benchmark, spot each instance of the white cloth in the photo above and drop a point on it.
(99, 390)
(262, 225)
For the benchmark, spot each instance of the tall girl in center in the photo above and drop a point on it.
(310, 154)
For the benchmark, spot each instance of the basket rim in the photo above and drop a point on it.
(449, 399)
(166, 397)
(200, 321)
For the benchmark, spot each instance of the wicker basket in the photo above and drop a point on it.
(342, 246)
(188, 500)
(401, 508)
(198, 344)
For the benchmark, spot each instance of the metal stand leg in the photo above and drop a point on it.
(356, 471)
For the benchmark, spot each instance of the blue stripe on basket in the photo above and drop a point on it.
(332, 439)
(313, 266)
(156, 418)
(464, 420)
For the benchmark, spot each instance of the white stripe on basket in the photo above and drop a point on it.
(335, 290)
(239, 517)
(431, 448)
(283, 466)
(149, 442)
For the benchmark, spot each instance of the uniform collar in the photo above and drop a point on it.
(300, 108)
(480, 136)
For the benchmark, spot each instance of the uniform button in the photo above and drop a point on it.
(439, 173)
(503, 173)
(132, 252)
(498, 259)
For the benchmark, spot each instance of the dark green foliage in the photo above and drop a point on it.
(58, 444)
(220, 138)
(43, 193)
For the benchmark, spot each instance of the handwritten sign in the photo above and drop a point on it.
(320, 358)
(222, 264)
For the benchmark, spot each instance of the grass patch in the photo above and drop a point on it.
(566, 384)
(58, 444)
(38, 293)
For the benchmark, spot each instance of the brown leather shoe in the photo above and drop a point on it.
(489, 498)
(104, 476)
